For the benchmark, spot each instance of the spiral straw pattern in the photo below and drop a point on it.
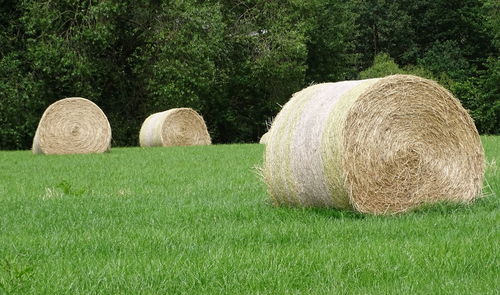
(72, 125)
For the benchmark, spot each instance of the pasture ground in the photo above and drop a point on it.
(195, 220)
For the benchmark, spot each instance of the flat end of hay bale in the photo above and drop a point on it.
(72, 125)
(407, 142)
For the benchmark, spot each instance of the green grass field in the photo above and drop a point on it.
(196, 220)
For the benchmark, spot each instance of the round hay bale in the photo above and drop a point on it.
(72, 125)
(263, 139)
(180, 126)
(377, 146)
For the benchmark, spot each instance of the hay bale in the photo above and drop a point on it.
(263, 139)
(376, 146)
(72, 125)
(180, 126)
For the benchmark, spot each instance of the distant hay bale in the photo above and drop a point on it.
(72, 125)
(180, 126)
(263, 139)
(377, 146)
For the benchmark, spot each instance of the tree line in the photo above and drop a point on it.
(234, 61)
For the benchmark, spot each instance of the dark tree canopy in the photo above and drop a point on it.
(236, 62)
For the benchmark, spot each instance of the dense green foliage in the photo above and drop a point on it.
(194, 220)
(235, 62)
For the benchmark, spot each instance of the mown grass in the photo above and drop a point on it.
(195, 220)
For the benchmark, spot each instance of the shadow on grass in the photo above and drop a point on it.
(445, 208)
(332, 213)
(442, 208)
(329, 213)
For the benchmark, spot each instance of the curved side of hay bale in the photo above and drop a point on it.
(150, 133)
(377, 146)
(72, 125)
(175, 127)
(263, 139)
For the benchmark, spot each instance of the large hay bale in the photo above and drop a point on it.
(72, 125)
(377, 146)
(180, 126)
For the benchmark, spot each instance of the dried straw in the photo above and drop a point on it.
(376, 146)
(72, 125)
(179, 126)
